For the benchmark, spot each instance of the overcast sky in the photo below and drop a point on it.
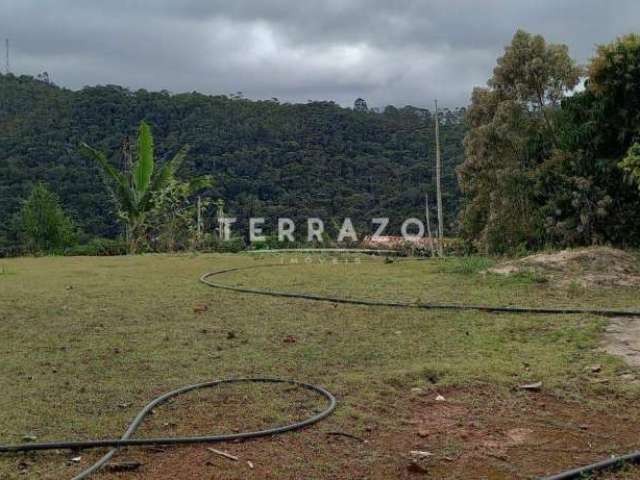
(386, 51)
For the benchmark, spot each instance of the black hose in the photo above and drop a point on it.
(381, 303)
(125, 441)
(584, 472)
(569, 474)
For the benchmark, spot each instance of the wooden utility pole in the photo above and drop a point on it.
(426, 210)
(438, 185)
(7, 66)
(220, 215)
(199, 222)
(127, 165)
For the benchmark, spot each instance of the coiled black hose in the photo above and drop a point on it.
(126, 441)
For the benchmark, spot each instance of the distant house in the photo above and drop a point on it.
(395, 242)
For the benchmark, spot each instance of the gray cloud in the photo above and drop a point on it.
(389, 52)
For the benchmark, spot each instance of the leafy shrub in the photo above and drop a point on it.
(99, 247)
(12, 251)
(212, 243)
(43, 224)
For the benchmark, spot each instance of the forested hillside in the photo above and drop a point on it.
(267, 158)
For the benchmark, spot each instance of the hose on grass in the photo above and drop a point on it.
(126, 441)
(383, 303)
(599, 467)
(577, 473)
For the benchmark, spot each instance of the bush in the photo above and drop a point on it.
(99, 247)
(43, 224)
(212, 243)
(12, 251)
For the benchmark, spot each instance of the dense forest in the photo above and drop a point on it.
(547, 154)
(266, 158)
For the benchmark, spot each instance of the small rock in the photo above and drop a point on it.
(415, 467)
(628, 376)
(29, 438)
(126, 466)
(423, 433)
(200, 308)
(532, 387)
(440, 398)
(417, 391)
(596, 368)
(76, 459)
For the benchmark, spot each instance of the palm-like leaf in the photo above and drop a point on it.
(143, 168)
(200, 183)
(135, 192)
(122, 190)
(162, 178)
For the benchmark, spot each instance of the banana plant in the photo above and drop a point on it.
(135, 190)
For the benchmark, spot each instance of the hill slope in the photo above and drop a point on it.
(268, 159)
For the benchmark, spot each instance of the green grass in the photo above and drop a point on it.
(466, 265)
(4, 271)
(85, 342)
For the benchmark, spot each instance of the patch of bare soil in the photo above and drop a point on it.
(622, 338)
(595, 266)
(471, 434)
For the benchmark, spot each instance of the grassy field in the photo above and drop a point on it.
(85, 342)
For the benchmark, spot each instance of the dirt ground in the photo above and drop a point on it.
(471, 434)
(585, 267)
(78, 362)
(622, 338)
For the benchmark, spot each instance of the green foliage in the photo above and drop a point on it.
(213, 243)
(99, 247)
(510, 133)
(43, 224)
(614, 83)
(172, 220)
(274, 159)
(143, 169)
(541, 169)
(631, 163)
(136, 192)
(584, 193)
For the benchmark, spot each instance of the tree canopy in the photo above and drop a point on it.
(264, 157)
(543, 162)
